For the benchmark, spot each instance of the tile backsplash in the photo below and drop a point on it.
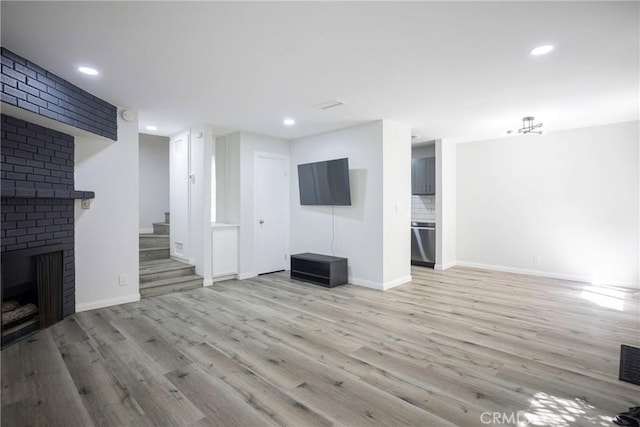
(423, 208)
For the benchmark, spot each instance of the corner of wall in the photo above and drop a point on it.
(106, 235)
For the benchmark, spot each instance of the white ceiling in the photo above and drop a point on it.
(453, 70)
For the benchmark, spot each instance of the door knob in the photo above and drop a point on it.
(261, 221)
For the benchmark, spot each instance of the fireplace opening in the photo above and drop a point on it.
(31, 292)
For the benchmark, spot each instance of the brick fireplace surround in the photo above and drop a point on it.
(37, 204)
(37, 178)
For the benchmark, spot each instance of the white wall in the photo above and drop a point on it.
(446, 205)
(240, 209)
(359, 227)
(570, 197)
(396, 184)
(202, 149)
(106, 236)
(154, 180)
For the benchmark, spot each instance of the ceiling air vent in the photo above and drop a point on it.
(329, 104)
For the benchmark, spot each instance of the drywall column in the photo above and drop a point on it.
(374, 232)
(202, 148)
(358, 228)
(396, 204)
(106, 235)
(445, 204)
(190, 201)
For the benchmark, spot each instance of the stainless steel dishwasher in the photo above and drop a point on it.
(423, 243)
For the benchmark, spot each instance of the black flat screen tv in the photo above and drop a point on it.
(325, 183)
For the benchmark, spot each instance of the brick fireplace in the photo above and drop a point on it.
(37, 191)
(37, 225)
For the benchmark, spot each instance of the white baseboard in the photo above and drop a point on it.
(377, 285)
(207, 282)
(249, 275)
(145, 231)
(223, 277)
(366, 283)
(441, 267)
(549, 274)
(397, 282)
(107, 302)
(177, 258)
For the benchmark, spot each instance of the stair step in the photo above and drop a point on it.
(161, 228)
(163, 269)
(173, 284)
(147, 254)
(153, 241)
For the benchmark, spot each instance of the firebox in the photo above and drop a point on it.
(31, 291)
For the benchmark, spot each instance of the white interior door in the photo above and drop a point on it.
(179, 196)
(272, 213)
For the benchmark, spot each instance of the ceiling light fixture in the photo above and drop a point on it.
(88, 71)
(289, 122)
(529, 127)
(151, 127)
(541, 50)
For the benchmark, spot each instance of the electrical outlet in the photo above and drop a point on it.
(122, 280)
(536, 259)
(85, 203)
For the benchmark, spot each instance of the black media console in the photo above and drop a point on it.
(323, 270)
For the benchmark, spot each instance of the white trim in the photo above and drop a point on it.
(397, 282)
(225, 274)
(365, 283)
(250, 275)
(145, 231)
(107, 302)
(207, 283)
(550, 274)
(441, 267)
(218, 225)
(177, 258)
(229, 276)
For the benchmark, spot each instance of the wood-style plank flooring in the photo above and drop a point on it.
(450, 348)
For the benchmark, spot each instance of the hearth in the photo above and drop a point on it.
(31, 291)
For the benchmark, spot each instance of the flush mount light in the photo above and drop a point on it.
(529, 127)
(151, 127)
(289, 122)
(541, 50)
(88, 71)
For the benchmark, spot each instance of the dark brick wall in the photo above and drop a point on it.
(34, 157)
(37, 166)
(37, 223)
(28, 86)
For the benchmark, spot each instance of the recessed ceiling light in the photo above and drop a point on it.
(151, 127)
(541, 50)
(289, 122)
(88, 71)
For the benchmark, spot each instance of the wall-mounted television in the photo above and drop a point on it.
(325, 183)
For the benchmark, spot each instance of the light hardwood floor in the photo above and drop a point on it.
(450, 348)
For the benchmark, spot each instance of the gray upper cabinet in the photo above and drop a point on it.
(423, 176)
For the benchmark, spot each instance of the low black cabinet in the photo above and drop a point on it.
(323, 270)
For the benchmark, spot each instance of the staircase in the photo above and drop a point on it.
(159, 274)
